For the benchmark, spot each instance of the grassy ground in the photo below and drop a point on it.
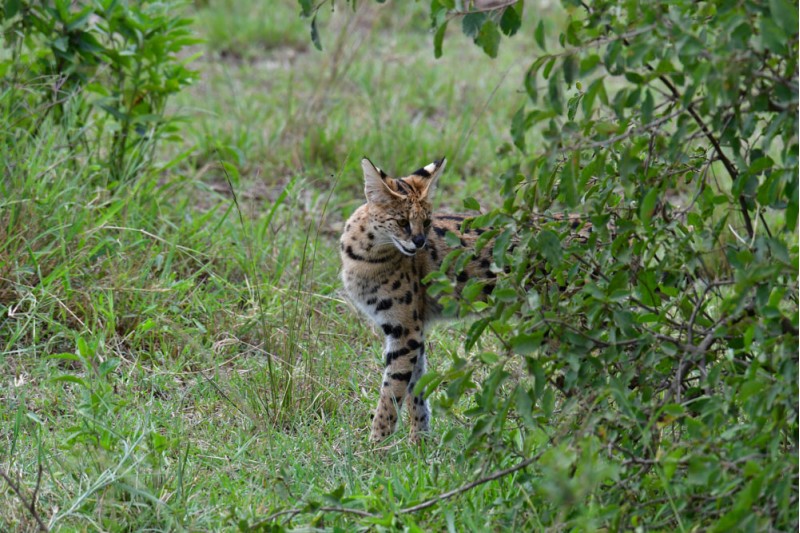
(173, 362)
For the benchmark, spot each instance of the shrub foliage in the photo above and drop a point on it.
(648, 373)
(103, 69)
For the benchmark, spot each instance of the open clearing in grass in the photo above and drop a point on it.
(172, 367)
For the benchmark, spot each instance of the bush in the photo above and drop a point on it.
(113, 64)
(649, 371)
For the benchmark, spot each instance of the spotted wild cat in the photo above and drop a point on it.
(388, 247)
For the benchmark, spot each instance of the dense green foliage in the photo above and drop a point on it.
(649, 370)
(651, 366)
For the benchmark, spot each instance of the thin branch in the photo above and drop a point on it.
(29, 505)
(491, 477)
(414, 508)
(729, 166)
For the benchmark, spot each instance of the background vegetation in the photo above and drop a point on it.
(176, 354)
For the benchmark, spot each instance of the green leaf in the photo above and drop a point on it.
(472, 23)
(634, 77)
(555, 95)
(452, 240)
(530, 85)
(538, 34)
(572, 105)
(472, 203)
(526, 343)
(772, 36)
(510, 21)
(570, 66)
(525, 406)
(474, 333)
(518, 129)
(760, 165)
(647, 107)
(648, 206)
(549, 245)
(305, 7)
(785, 15)
(488, 358)
(11, 8)
(67, 378)
(489, 39)
(438, 38)
(315, 33)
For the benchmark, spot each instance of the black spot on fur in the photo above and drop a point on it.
(356, 257)
(387, 328)
(457, 218)
(439, 231)
(384, 305)
(413, 360)
(370, 236)
(413, 344)
(401, 376)
(415, 316)
(391, 356)
(396, 285)
(408, 297)
(372, 301)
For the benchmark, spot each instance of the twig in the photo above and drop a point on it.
(29, 505)
(491, 477)
(414, 508)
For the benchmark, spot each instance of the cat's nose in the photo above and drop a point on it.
(418, 240)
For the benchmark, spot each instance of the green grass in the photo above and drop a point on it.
(213, 373)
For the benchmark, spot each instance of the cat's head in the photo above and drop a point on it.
(400, 208)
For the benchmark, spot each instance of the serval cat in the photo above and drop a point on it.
(388, 246)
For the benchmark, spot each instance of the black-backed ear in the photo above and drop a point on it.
(375, 187)
(430, 175)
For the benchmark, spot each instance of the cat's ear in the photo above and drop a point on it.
(429, 175)
(376, 188)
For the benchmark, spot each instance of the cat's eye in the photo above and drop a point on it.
(427, 223)
(404, 224)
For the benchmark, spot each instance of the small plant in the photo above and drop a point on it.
(116, 58)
